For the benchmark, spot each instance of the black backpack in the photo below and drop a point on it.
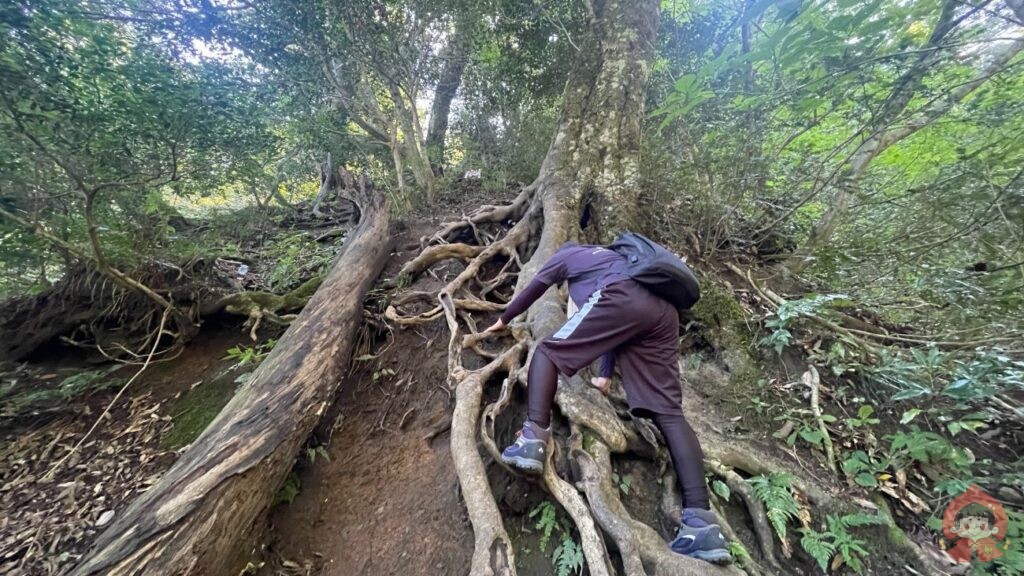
(658, 269)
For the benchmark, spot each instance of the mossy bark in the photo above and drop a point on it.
(592, 165)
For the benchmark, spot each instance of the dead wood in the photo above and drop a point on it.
(204, 515)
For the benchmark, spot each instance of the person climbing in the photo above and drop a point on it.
(619, 321)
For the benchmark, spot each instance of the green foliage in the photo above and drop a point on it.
(722, 489)
(738, 551)
(865, 418)
(291, 488)
(98, 121)
(963, 378)
(775, 491)
(296, 257)
(837, 543)
(805, 427)
(818, 546)
(927, 448)
(623, 482)
(567, 557)
(313, 452)
(792, 310)
(244, 355)
(547, 521)
(761, 107)
(23, 394)
(864, 469)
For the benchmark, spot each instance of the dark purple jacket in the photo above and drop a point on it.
(580, 264)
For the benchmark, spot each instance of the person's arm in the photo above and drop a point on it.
(553, 272)
(607, 365)
(534, 290)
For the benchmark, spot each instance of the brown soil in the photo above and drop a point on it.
(387, 501)
(126, 454)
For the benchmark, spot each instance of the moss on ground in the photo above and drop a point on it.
(725, 327)
(722, 315)
(195, 409)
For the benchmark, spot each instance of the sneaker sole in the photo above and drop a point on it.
(524, 464)
(719, 556)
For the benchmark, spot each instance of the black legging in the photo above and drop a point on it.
(687, 456)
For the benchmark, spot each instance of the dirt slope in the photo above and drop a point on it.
(387, 499)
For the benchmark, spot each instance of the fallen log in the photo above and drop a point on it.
(204, 515)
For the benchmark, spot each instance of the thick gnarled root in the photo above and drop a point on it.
(598, 562)
(539, 222)
(493, 554)
(759, 519)
(643, 550)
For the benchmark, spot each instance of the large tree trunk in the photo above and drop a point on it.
(203, 517)
(593, 161)
(454, 57)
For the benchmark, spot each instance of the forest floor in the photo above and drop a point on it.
(386, 499)
(49, 520)
(375, 491)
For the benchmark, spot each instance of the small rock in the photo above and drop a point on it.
(105, 518)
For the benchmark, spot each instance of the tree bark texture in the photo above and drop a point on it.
(594, 157)
(204, 516)
(454, 57)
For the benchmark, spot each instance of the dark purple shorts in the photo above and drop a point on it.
(641, 329)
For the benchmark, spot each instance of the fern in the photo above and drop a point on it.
(854, 520)
(776, 493)
(837, 543)
(818, 546)
(546, 523)
(568, 557)
(291, 488)
(738, 551)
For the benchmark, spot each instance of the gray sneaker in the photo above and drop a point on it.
(529, 452)
(700, 536)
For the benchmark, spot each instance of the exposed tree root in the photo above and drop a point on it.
(259, 306)
(542, 225)
(492, 550)
(598, 562)
(762, 529)
(434, 254)
(746, 563)
(811, 379)
(643, 550)
(490, 214)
